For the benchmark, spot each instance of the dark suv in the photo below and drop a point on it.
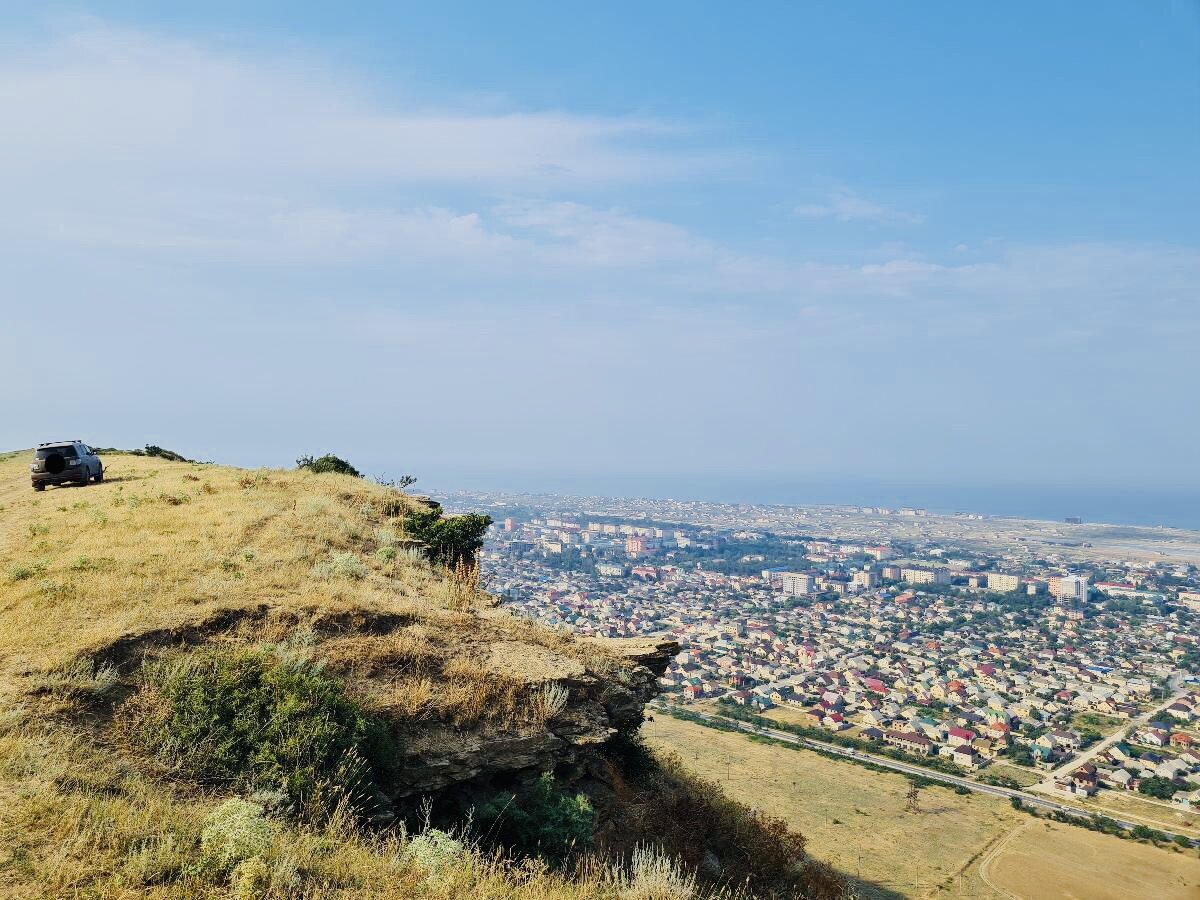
(65, 461)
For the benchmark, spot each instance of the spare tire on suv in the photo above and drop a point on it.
(60, 462)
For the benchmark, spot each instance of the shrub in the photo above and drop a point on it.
(543, 820)
(235, 832)
(327, 463)
(435, 850)
(249, 719)
(548, 701)
(653, 875)
(341, 565)
(452, 540)
(22, 572)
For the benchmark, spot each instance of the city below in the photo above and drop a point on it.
(1041, 659)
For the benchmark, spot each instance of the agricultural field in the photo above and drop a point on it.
(857, 820)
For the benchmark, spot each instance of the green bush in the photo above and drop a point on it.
(253, 720)
(542, 821)
(327, 463)
(452, 540)
(1158, 787)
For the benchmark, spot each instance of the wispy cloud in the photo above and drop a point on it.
(844, 206)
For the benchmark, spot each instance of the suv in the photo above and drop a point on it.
(64, 461)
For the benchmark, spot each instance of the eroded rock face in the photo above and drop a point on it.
(599, 705)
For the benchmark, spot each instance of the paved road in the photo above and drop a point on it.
(1047, 783)
(910, 769)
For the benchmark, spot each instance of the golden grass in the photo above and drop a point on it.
(317, 566)
(856, 820)
(159, 543)
(1079, 863)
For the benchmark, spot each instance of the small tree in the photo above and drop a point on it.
(453, 540)
(327, 463)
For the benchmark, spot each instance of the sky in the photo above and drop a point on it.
(788, 249)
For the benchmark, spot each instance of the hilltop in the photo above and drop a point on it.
(265, 681)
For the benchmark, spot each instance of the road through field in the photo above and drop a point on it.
(906, 768)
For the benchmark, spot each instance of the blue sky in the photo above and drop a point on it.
(663, 244)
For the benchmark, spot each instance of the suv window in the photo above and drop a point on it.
(67, 450)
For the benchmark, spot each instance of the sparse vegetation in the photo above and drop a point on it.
(327, 463)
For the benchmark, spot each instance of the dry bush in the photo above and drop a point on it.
(547, 701)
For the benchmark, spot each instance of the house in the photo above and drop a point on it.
(1070, 787)
(909, 741)
(957, 737)
(871, 734)
(1155, 737)
(1119, 779)
(1085, 777)
(966, 756)
(1179, 739)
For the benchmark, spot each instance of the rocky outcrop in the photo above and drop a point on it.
(596, 706)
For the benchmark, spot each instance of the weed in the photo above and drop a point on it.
(23, 571)
(547, 702)
(236, 831)
(341, 565)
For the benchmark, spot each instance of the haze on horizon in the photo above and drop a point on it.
(789, 245)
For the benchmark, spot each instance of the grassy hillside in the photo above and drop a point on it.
(216, 681)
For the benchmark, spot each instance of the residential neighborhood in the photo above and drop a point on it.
(989, 663)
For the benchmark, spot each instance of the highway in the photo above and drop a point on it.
(1032, 800)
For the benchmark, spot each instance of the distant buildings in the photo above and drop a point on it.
(797, 584)
(1003, 584)
(925, 576)
(864, 580)
(1072, 588)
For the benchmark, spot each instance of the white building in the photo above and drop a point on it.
(796, 584)
(1070, 587)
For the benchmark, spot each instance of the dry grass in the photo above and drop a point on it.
(152, 547)
(92, 579)
(317, 567)
(75, 822)
(857, 821)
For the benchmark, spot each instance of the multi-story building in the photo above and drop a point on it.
(925, 576)
(1069, 587)
(1002, 583)
(795, 584)
(864, 580)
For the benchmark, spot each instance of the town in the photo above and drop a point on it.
(1012, 666)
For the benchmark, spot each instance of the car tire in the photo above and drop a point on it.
(100, 475)
(39, 487)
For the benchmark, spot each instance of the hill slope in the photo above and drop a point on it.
(215, 679)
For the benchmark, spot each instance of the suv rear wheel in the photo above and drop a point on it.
(39, 487)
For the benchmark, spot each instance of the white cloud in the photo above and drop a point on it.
(847, 207)
(125, 103)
